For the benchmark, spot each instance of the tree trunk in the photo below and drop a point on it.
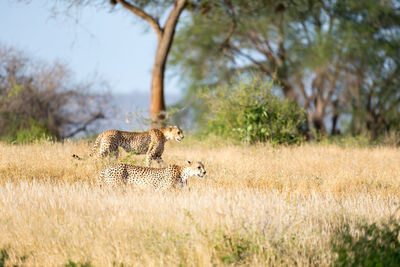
(318, 117)
(335, 117)
(320, 103)
(288, 90)
(157, 103)
(165, 37)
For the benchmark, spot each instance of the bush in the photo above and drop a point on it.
(19, 131)
(249, 112)
(39, 100)
(230, 247)
(35, 131)
(77, 264)
(4, 257)
(376, 245)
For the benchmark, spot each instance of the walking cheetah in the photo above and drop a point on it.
(150, 178)
(150, 143)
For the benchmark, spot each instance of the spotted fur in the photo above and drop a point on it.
(173, 176)
(150, 143)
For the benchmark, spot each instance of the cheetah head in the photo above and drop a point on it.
(174, 132)
(196, 168)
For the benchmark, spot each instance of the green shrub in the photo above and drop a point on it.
(234, 248)
(77, 264)
(35, 131)
(376, 245)
(4, 257)
(230, 247)
(249, 112)
(37, 99)
(22, 132)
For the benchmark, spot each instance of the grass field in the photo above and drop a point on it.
(258, 205)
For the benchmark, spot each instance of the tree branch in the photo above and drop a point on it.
(303, 91)
(174, 16)
(332, 88)
(261, 48)
(306, 32)
(260, 65)
(85, 125)
(164, 44)
(232, 12)
(142, 14)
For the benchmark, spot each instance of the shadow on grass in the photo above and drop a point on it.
(375, 245)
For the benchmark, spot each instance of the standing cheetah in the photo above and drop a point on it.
(150, 178)
(150, 143)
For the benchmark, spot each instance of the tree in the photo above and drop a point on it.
(165, 35)
(39, 99)
(152, 11)
(278, 40)
(310, 47)
(373, 64)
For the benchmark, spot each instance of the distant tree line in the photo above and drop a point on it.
(39, 100)
(339, 60)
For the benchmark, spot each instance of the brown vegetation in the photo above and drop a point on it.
(259, 205)
(34, 94)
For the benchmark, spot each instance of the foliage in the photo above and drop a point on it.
(231, 247)
(376, 245)
(4, 257)
(234, 248)
(77, 264)
(373, 58)
(272, 120)
(338, 59)
(130, 158)
(39, 100)
(162, 17)
(33, 132)
(248, 111)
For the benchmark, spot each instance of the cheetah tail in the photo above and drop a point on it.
(96, 144)
(75, 156)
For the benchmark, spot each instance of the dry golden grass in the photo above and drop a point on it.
(259, 205)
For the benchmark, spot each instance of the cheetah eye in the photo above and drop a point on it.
(179, 132)
(198, 168)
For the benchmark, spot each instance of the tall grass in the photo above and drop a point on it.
(259, 205)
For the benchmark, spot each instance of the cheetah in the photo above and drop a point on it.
(150, 143)
(173, 176)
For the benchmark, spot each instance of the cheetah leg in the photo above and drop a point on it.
(104, 150)
(115, 152)
(103, 153)
(148, 160)
(183, 185)
(161, 162)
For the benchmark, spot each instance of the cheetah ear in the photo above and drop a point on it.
(170, 128)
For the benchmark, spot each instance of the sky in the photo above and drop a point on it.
(115, 45)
